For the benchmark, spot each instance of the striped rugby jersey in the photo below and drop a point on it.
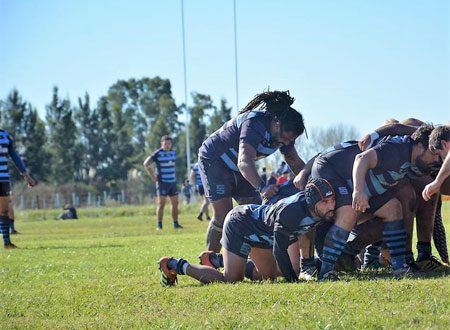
(165, 165)
(7, 151)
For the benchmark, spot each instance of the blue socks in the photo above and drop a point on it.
(4, 229)
(335, 241)
(423, 250)
(394, 235)
(179, 265)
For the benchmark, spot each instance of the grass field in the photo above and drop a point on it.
(101, 272)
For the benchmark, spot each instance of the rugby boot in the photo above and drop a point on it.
(308, 270)
(211, 259)
(10, 246)
(168, 277)
(176, 225)
(331, 276)
(403, 272)
(432, 264)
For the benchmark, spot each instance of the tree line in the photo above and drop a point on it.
(105, 143)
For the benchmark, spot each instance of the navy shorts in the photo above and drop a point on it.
(5, 189)
(166, 189)
(343, 187)
(220, 182)
(241, 232)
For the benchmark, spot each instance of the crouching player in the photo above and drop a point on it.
(268, 233)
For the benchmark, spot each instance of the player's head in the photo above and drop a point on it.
(423, 158)
(439, 142)
(166, 142)
(320, 198)
(288, 123)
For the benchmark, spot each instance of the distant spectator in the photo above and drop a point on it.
(264, 175)
(281, 168)
(71, 213)
(187, 189)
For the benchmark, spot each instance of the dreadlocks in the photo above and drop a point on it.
(278, 104)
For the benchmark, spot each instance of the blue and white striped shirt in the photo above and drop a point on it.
(165, 165)
(7, 150)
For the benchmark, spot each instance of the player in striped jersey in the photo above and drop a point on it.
(227, 157)
(268, 233)
(165, 179)
(8, 151)
(197, 179)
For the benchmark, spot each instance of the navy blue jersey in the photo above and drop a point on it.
(282, 222)
(394, 163)
(251, 127)
(7, 150)
(165, 165)
(198, 178)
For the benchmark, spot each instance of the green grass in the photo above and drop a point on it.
(101, 272)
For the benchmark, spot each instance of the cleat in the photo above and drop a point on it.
(372, 264)
(205, 259)
(308, 274)
(331, 276)
(14, 232)
(176, 225)
(168, 277)
(404, 272)
(208, 218)
(346, 263)
(200, 217)
(432, 264)
(159, 226)
(10, 246)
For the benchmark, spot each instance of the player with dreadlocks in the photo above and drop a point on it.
(268, 233)
(227, 157)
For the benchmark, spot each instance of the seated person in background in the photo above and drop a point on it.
(71, 213)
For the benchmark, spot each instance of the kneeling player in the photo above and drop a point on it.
(266, 233)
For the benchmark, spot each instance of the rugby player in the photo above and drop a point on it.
(268, 233)
(7, 151)
(197, 179)
(227, 157)
(364, 183)
(165, 179)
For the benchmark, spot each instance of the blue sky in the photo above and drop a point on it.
(355, 62)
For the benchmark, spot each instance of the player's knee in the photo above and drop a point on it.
(394, 210)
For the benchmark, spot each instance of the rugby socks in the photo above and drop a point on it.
(335, 241)
(4, 229)
(178, 265)
(249, 267)
(394, 235)
(11, 226)
(423, 250)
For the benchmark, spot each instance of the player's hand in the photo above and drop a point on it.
(269, 191)
(430, 189)
(360, 201)
(154, 178)
(301, 179)
(365, 142)
(31, 182)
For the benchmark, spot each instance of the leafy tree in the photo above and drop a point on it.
(28, 131)
(197, 126)
(62, 138)
(219, 117)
